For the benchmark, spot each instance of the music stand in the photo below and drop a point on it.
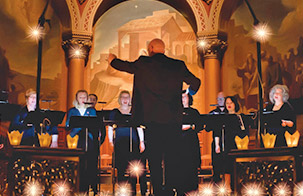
(124, 120)
(37, 117)
(87, 122)
(103, 115)
(217, 122)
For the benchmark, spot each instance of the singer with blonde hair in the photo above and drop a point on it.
(29, 137)
(128, 142)
(82, 109)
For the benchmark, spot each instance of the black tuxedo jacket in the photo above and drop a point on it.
(157, 88)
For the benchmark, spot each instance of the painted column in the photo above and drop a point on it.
(211, 53)
(76, 53)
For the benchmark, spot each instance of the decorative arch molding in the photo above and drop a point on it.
(207, 24)
(200, 14)
(74, 14)
(82, 24)
(204, 24)
(89, 14)
(214, 16)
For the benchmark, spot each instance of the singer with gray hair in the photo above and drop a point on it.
(283, 117)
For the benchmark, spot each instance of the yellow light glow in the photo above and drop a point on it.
(123, 190)
(298, 189)
(207, 189)
(15, 137)
(33, 188)
(35, 33)
(292, 140)
(77, 52)
(261, 32)
(61, 189)
(136, 168)
(253, 189)
(202, 44)
(222, 190)
(282, 189)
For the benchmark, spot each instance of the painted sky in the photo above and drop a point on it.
(284, 17)
(106, 27)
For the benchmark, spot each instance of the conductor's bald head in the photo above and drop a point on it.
(156, 46)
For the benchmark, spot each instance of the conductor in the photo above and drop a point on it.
(157, 104)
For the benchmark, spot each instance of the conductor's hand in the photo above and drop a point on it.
(111, 57)
(142, 146)
(218, 150)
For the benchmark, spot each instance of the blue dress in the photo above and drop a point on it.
(90, 171)
(29, 138)
(80, 131)
(126, 147)
(124, 150)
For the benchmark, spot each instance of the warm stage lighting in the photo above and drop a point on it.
(33, 188)
(76, 52)
(123, 190)
(282, 189)
(299, 189)
(222, 190)
(252, 190)
(136, 168)
(36, 33)
(202, 44)
(61, 189)
(207, 190)
(261, 32)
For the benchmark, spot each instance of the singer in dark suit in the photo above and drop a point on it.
(157, 104)
(216, 128)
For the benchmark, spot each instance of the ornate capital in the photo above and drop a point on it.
(211, 47)
(77, 48)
